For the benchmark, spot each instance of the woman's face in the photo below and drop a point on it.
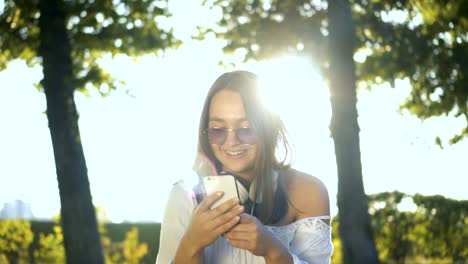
(227, 111)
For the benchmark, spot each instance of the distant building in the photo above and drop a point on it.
(16, 210)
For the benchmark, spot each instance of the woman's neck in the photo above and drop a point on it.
(245, 181)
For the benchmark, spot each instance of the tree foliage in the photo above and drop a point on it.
(95, 28)
(424, 41)
(392, 224)
(435, 228)
(267, 29)
(68, 38)
(447, 222)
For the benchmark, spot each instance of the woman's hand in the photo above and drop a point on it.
(207, 225)
(252, 235)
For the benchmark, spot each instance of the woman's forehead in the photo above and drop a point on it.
(227, 104)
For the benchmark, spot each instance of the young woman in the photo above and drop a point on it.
(286, 219)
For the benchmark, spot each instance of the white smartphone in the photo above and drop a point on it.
(225, 183)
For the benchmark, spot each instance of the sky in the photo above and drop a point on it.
(137, 146)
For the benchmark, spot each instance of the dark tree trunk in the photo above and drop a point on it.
(78, 218)
(355, 232)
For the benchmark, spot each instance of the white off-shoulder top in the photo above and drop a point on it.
(308, 239)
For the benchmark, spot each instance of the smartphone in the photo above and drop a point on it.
(225, 183)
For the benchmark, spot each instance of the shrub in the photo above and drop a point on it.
(15, 238)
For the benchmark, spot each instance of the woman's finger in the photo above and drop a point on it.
(243, 227)
(246, 218)
(209, 200)
(224, 207)
(226, 226)
(235, 235)
(226, 217)
(242, 244)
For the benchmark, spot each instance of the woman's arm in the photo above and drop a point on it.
(311, 244)
(314, 243)
(312, 239)
(206, 226)
(250, 234)
(186, 232)
(177, 214)
(188, 253)
(308, 196)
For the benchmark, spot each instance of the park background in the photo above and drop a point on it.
(141, 137)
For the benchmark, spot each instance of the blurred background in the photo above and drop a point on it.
(138, 117)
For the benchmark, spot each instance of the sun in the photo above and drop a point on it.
(292, 87)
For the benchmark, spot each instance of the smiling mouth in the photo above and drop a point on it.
(235, 154)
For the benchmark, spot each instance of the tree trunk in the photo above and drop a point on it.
(355, 232)
(78, 218)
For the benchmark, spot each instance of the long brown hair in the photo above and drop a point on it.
(270, 131)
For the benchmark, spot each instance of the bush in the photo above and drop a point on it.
(17, 246)
(435, 232)
(15, 238)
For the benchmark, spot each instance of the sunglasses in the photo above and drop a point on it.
(218, 135)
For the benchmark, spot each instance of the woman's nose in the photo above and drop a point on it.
(231, 138)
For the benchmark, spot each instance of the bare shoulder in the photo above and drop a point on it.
(307, 194)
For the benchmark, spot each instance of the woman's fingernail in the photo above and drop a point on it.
(241, 208)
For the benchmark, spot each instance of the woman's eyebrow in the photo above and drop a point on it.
(218, 119)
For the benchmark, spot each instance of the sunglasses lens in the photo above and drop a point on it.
(246, 135)
(216, 135)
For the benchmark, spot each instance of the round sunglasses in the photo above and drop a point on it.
(218, 135)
